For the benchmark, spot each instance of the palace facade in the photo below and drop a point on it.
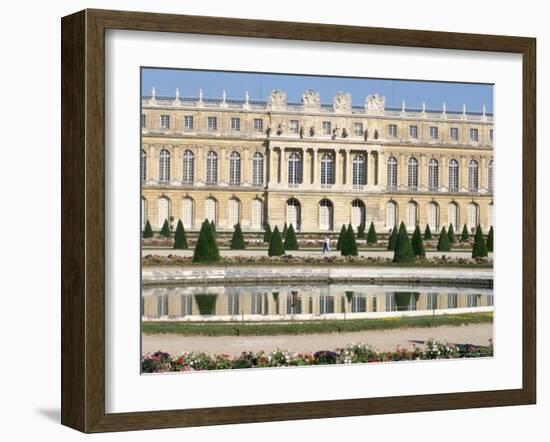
(312, 164)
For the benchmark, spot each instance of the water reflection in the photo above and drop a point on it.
(237, 303)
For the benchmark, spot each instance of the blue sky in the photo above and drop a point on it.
(259, 86)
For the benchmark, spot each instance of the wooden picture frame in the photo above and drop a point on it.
(83, 219)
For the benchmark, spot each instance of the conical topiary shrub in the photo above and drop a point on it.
(443, 244)
(206, 249)
(349, 245)
(451, 234)
(148, 231)
(180, 240)
(372, 237)
(285, 230)
(276, 247)
(417, 244)
(480, 248)
(361, 232)
(213, 227)
(392, 242)
(490, 240)
(341, 237)
(465, 235)
(237, 240)
(403, 249)
(267, 233)
(165, 231)
(291, 243)
(427, 233)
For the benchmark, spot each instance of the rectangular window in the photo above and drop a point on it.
(474, 135)
(327, 128)
(392, 130)
(165, 121)
(294, 126)
(358, 129)
(142, 120)
(258, 125)
(235, 124)
(212, 123)
(413, 132)
(434, 132)
(453, 133)
(188, 122)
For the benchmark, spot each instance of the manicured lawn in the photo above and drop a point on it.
(309, 327)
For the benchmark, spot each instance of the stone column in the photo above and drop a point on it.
(223, 169)
(177, 166)
(482, 173)
(382, 170)
(284, 169)
(403, 171)
(314, 167)
(444, 173)
(463, 172)
(306, 167)
(337, 171)
(423, 172)
(246, 170)
(270, 166)
(348, 169)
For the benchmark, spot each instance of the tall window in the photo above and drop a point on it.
(163, 210)
(187, 213)
(212, 123)
(164, 166)
(325, 214)
(143, 120)
(392, 173)
(234, 215)
(412, 215)
(359, 178)
(473, 176)
(490, 215)
(188, 167)
(413, 174)
(358, 129)
(258, 125)
(413, 132)
(235, 124)
(211, 209)
(433, 216)
(453, 133)
(392, 130)
(453, 215)
(434, 132)
(294, 126)
(327, 170)
(391, 214)
(165, 121)
(433, 174)
(490, 175)
(473, 218)
(294, 170)
(327, 128)
(357, 213)
(143, 166)
(235, 169)
(257, 169)
(293, 213)
(211, 167)
(257, 213)
(453, 176)
(474, 135)
(188, 122)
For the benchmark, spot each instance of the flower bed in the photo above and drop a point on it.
(160, 362)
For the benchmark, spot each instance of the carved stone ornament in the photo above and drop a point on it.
(375, 103)
(311, 98)
(342, 102)
(277, 99)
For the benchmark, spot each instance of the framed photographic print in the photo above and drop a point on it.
(270, 220)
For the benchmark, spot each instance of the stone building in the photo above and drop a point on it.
(313, 164)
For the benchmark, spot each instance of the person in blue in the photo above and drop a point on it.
(326, 245)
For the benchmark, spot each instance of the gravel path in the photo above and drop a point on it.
(477, 334)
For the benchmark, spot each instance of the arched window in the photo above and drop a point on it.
(392, 173)
(490, 175)
(211, 167)
(293, 213)
(412, 215)
(211, 210)
(143, 212)
(391, 214)
(325, 214)
(413, 174)
(359, 178)
(490, 215)
(473, 216)
(258, 169)
(453, 216)
(163, 211)
(257, 213)
(294, 170)
(453, 176)
(187, 213)
(327, 170)
(164, 166)
(143, 166)
(433, 174)
(473, 176)
(234, 215)
(357, 214)
(188, 167)
(235, 169)
(433, 216)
